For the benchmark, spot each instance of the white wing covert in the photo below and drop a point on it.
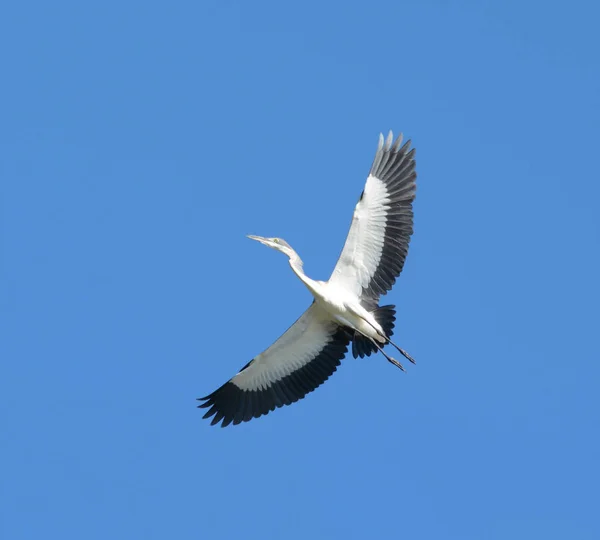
(382, 224)
(302, 359)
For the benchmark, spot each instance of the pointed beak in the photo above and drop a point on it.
(260, 239)
(264, 241)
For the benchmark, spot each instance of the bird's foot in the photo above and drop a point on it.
(407, 356)
(395, 362)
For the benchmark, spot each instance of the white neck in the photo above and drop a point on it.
(296, 264)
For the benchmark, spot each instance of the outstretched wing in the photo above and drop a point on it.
(300, 360)
(377, 244)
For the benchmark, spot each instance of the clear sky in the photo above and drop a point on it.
(141, 141)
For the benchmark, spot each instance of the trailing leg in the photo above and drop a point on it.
(388, 358)
(402, 351)
(385, 316)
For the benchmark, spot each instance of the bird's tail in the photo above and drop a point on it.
(363, 346)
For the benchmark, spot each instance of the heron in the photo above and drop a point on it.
(345, 310)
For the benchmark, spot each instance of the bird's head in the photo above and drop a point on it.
(276, 243)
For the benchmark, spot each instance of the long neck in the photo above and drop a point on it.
(296, 264)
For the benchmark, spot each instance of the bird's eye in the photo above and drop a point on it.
(276, 240)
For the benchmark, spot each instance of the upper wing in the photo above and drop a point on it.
(377, 244)
(300, 360)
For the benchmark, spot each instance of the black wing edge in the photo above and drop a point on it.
(230, 404)
(395, 167)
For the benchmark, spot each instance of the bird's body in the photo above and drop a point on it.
(345, 308)
(340, 304)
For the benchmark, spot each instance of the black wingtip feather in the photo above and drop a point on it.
(232, 405)
(395, 168)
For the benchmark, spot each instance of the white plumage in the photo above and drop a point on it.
(298, 346)
(345, 309)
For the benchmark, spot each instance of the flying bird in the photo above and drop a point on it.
(345, 309)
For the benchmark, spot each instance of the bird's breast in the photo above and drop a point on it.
(343, 307)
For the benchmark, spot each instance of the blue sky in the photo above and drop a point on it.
(140, 144)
